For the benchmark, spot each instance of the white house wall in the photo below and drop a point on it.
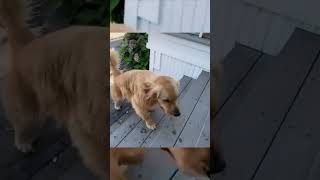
(253, 26)
(168, 15)
(177, 57)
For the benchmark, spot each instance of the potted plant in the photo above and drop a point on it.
(133, 51)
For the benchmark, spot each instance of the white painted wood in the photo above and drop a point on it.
(260, 24)
(177, 57)
(149, 10)
(305, 11)
(131, 13)
(168, 15)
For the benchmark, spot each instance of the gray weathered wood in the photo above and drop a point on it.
(180, 176)
(204, 138)
(157, 165)
(296, 146)
(235, 67)
(251, 117)
(192, 130)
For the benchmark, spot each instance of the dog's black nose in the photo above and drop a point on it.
(177, 113)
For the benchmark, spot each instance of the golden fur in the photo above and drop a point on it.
(192, 161)
(144, 90)
(62, 75)
(123, 156)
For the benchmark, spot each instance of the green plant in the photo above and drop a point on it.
(116, 11)
(133, 50)
(81, 12)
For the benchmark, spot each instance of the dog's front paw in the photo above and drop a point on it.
(24, 147)
(117, 107)
(151, 126)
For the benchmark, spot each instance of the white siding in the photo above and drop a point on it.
(168, 15)
(254, 26)
(177, 57)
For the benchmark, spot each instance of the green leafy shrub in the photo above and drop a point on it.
(133, 50)
(116, 11)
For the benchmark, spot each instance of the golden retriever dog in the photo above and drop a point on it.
(218, 164)
(144, 89)
(123, 156)
(191, 161)
(62, 75)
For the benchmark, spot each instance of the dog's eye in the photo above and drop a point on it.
(166, 100)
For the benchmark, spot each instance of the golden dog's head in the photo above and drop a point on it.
(165, 90)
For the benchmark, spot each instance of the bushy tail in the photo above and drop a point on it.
(114, 63)
(13, 18)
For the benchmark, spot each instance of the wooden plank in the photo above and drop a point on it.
(204, 138)
(296, 146)
(169, 129)
(235, 67)
(140, 133)
(315, 169)
(180, 176)
(192, 130)
(251, 117)
(59, 165)
(78, 172)
(157, 165)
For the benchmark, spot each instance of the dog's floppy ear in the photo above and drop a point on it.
(150, 90)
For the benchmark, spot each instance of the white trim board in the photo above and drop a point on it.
(177, 57)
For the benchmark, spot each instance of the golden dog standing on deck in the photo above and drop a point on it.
(144, 89)
(62, 75)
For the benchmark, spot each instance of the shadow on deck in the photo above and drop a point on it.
(163, 169)
(191, 129)
(268, 116)
(53, 159)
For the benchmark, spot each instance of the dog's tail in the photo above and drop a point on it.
(114, 63)
(13, 18)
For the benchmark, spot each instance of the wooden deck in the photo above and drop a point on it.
(163, 169)
(268, 117)
(191, 129)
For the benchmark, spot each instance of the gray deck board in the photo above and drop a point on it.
(236, 67)
(251, 117)
(196, 121)
(204, 138)
(158, 165)
(297, 144)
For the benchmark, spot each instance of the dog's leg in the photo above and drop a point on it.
(22, 112)
(116, 96)
(145, 115)
(92, 152)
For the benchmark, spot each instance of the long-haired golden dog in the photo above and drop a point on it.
(62, 75)
(123, 156)
(144, 90)
(218, 163)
